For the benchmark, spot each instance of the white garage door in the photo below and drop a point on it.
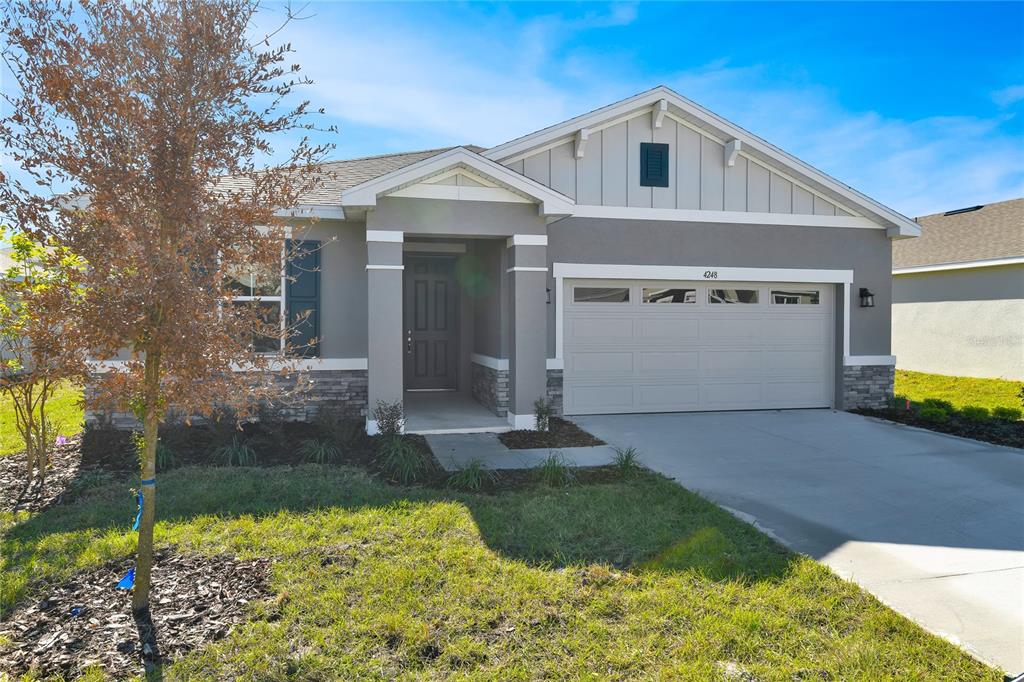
(653, 346)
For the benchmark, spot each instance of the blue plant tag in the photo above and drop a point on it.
(138, 512)
(128, 581)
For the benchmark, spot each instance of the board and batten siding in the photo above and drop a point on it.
(609, 173)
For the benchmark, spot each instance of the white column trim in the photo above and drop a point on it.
(394, 236)
(555, 363)
(499, 364)
(853, 360)
(522, 421)
(385, 267)
(527, 240)
(847, 288)
(524, 268)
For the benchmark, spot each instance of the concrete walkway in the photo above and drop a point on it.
(930, 524)
(456, 450)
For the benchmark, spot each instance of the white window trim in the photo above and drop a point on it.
(280, 297)
(563, 271)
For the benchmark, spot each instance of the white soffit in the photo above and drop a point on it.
(716, 127)
(506, 182)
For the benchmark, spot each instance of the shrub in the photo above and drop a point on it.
(973, 413)
(555, 471)
(944, 405)
(236, 453)
(473, 477)
(542, 413)
(1008, 413)
(319, 451)
(401, 459)
(390, 418)
(627, 462)
(933, 414)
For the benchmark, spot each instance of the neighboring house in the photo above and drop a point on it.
(958, 293)
(648, 256)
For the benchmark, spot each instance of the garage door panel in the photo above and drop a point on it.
(636, 357)
(586, 363)
(676, 362)
(668, 397)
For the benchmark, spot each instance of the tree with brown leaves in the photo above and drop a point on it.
(141, 127)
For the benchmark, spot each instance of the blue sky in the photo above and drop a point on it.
(919, 105)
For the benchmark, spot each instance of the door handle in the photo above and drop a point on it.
(408, 341)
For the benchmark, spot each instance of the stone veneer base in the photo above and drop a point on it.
(868, 386)
(489, 387)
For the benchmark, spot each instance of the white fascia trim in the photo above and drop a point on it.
(390, 236)
(687, 272)
(717, 127)
(524, 268)
(522, 421)
(366, 194)
(385, 267)
(527, 240)
(498, 364)
(555, 363)
(299, 364)
(853, 360)
(434, 247)
(687, 215)
(322, 211)
(964, 265)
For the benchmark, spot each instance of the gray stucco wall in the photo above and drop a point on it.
(961, 322)
(440, 217)
(645, 242)
(490, 303)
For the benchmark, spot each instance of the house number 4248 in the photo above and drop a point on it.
(711, 274)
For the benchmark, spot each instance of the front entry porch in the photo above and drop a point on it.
(430, 412)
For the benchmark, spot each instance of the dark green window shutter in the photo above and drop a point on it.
(302, 294)
(653, 164)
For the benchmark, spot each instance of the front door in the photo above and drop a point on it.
(431, 314)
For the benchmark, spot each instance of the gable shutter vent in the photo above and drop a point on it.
(653, 164)
(302, 294)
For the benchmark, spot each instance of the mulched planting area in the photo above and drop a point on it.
(562, 434)
(997, 431)
(86, 621)
(65, 462)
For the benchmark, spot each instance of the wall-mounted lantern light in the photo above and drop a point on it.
(549, 296)
(867, 299)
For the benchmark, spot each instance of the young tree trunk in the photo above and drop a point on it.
(150, 422)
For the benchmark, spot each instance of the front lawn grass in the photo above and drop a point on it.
(960, 391)
(64, 410)
(633, 580)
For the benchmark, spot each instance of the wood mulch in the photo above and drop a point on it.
(85, 621)
(562, 434)
(65, 464)
(996, 431)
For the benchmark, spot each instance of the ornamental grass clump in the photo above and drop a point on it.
(555, 471)
(473, 477)
(626, 462)
(319, 451)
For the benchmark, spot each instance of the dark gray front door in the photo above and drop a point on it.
(431, 323)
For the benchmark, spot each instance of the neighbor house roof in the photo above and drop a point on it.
(991, 233)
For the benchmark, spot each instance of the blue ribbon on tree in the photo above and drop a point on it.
(128, 581)
(138, 511)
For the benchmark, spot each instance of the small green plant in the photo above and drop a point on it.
(236, 453)
(555, 471)
(473, 477)
(319, 451)
(943, 405)
(1008, 413)
(543, 411)
(973, 413)
(933, 414)
(390, 418)
(627, 461)
(401, 459)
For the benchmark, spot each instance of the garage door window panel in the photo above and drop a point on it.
(795, 297)
(738, 296)
(600, 295)
(669, 295)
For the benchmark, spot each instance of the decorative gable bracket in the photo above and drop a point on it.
(732, 150)
(582, 135)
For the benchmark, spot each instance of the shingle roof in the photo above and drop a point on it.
(992, 231)
(348, 173)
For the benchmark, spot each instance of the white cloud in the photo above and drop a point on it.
(1008, 96)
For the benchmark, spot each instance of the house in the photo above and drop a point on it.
(958, 293)
(648, 256)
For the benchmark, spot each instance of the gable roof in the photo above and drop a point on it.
(993, 232)
(717, 127)
(365, 194)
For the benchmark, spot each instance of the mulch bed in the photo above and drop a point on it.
(87, 621)
(997, 431)
(562, 434)
(65, 462)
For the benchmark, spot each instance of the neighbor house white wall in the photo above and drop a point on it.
(960, 322)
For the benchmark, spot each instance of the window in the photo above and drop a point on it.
(732, 295)
(600, 295)
(264, 290)
(670, 295)
(795, 297)
(653, 164)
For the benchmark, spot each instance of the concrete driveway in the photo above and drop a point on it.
(931, 524)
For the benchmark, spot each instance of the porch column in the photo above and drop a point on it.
(384, 320)
(528, 337)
